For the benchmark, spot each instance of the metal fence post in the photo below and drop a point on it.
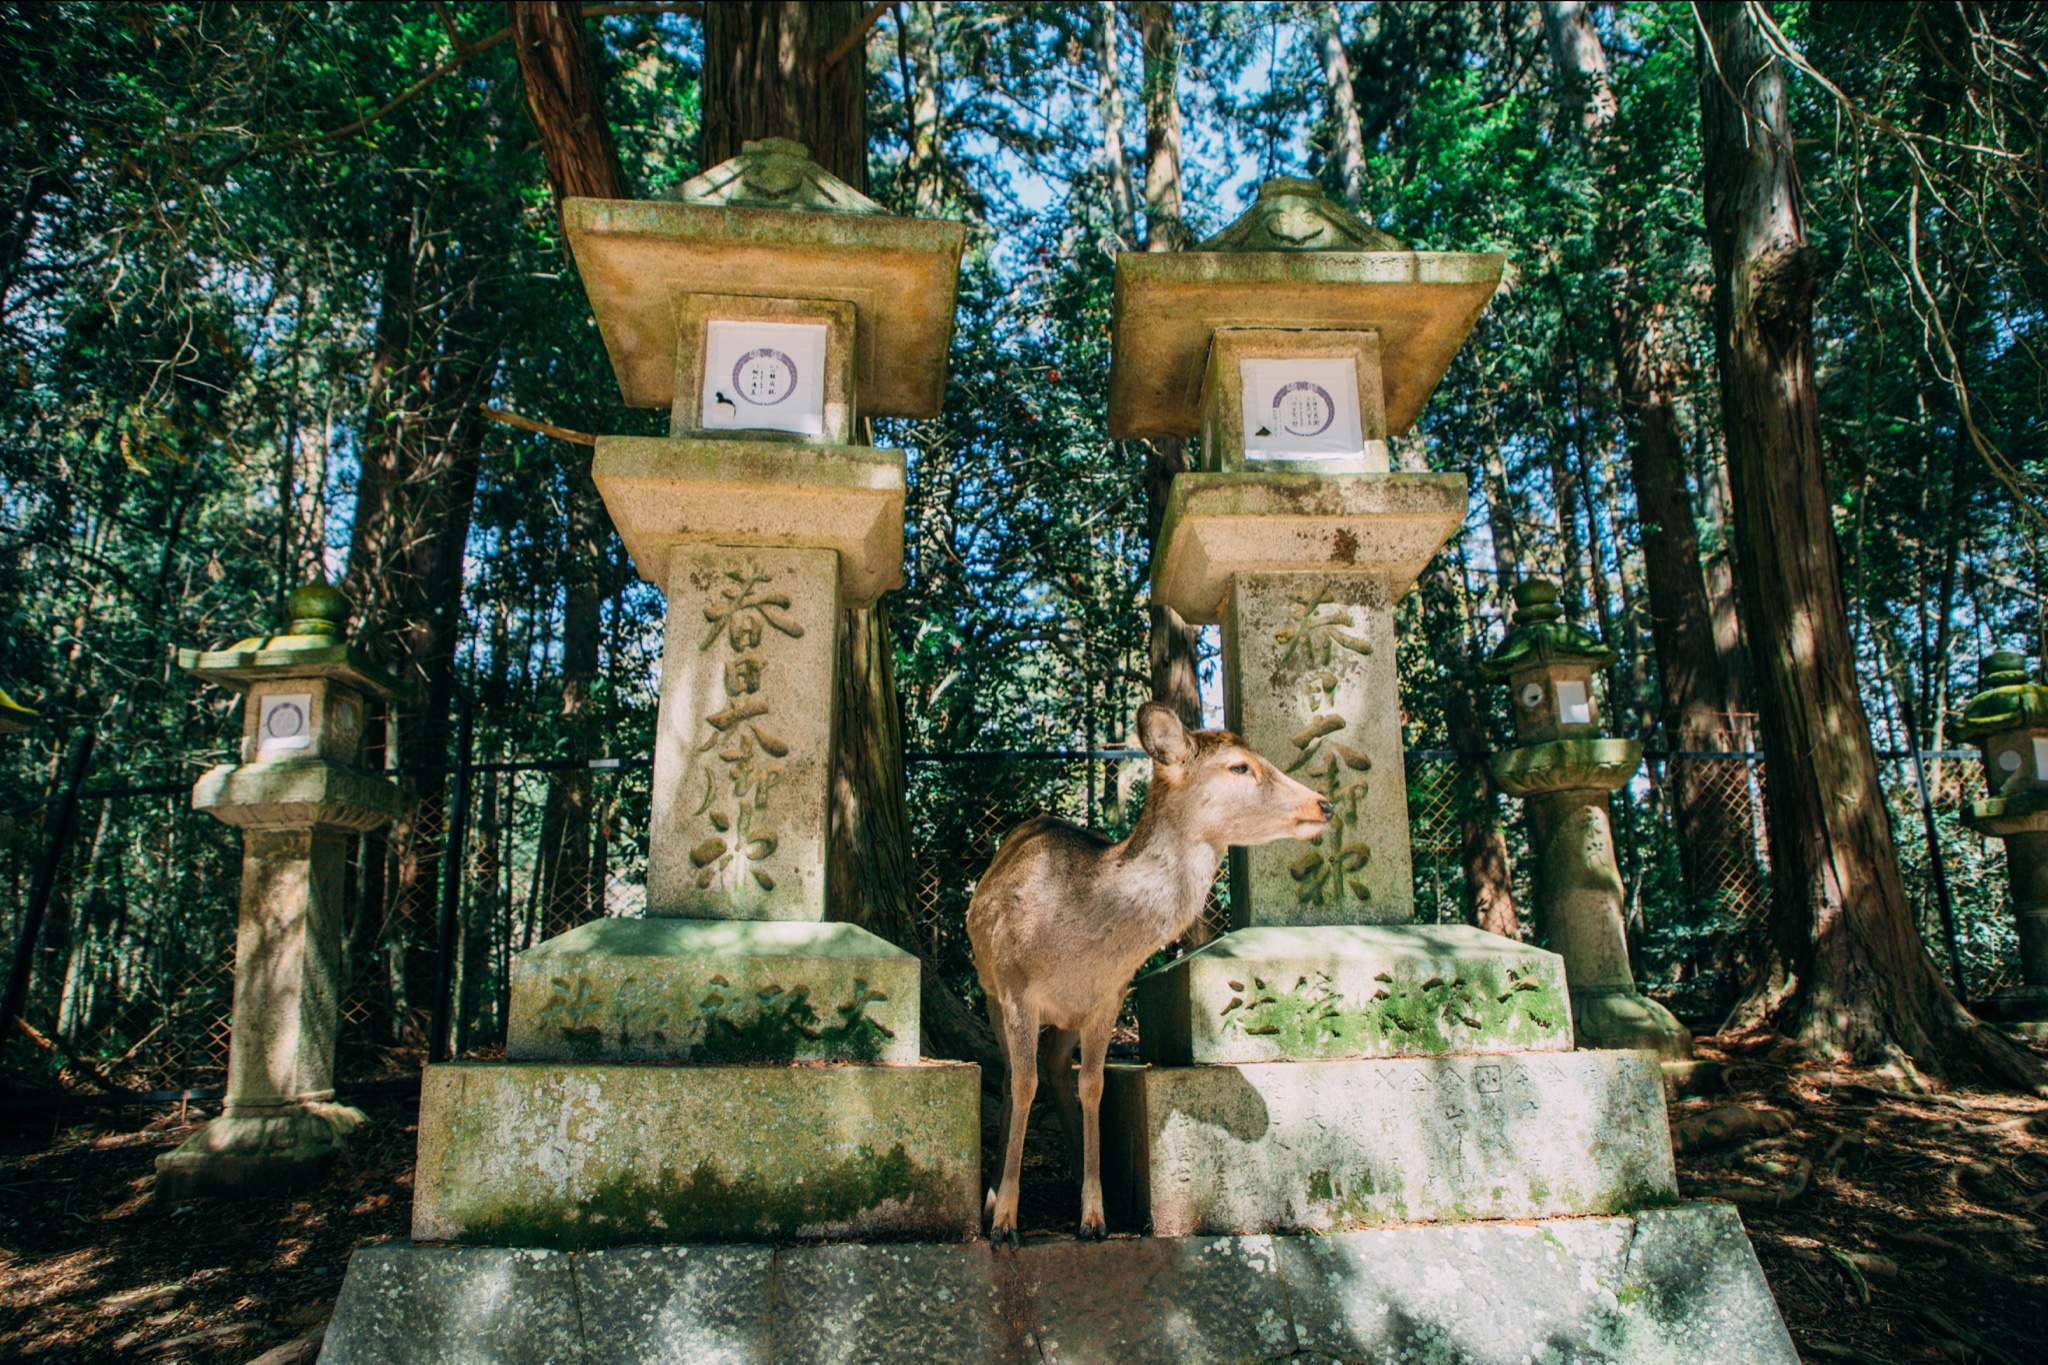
(453, 855)
(45, 886)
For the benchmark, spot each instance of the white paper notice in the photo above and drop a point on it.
(1301, 409)
(285, 722)
(1572, 706)
(765, 376)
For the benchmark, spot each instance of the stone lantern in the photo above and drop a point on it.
(14, 717)
(1320, 1063)
(662, 1077)
(297, 794)
(1565, 768)
(2008, 720)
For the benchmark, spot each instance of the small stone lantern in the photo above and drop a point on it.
(14, 717)
(2008, 720)
(297, 795)
(1565, 768)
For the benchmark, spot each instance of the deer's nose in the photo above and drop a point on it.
(1326, 808)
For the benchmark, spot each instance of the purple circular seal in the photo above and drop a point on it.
(1303, 417)
(764, 377)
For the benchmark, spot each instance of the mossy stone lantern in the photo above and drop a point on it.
(1565, 769)
(2008, 720)
(771, 309)
(297, 794)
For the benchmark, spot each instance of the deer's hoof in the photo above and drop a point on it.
(999, 1238)
(1094, 1232)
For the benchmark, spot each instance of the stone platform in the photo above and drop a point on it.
(567, 1155)
(1677, 1286)
(1272, 992)
(1304, 1146)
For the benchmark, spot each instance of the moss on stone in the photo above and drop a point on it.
(708, 1204)
(1311, 1018)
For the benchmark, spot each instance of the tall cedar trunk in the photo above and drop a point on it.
(1109, 107)
(1347, 138)
(433, 361)
(565, 99)
(1176, 679)
(1715, 842)
(765, 76)
(1848, 974)
(1482, 844)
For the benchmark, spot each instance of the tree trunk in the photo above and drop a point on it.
(1711, 815)
(1482, 844)
(1347, 138)
(1848, 974)
(1109, 106)
(765, 76)
(1175, 645)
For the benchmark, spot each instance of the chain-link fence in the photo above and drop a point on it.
(129, 981)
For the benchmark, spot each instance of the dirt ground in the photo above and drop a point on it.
(1892, 1227)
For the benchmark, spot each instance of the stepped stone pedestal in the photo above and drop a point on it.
(2008, 719)
(296, 796)
(733, 1066)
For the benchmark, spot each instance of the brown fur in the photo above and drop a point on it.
(1063, 917)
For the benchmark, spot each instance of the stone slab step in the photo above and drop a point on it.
(1662, 1287)
(1304, 1146)
(1273, 993)
(716, 991)
(569, 1155)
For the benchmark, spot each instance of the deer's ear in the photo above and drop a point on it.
(1162, 734)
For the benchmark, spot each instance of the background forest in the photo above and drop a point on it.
(272, 276)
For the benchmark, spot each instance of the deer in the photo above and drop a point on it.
(1063, 918)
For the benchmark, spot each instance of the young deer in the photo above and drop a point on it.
(1063, 917)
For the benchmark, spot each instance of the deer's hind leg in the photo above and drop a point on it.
(1094, 1052)
(1020, 1045)
(1055, 1062)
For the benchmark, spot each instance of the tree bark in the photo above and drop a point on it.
(1715, 842)
(1109, 106)
(1482, 844)
(1347, 138)
(765, 75)
(1175, 645)
(1848, 974)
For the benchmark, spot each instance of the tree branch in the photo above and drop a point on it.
(853, 39)
(513, 419)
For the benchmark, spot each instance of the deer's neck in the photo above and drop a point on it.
(1163, 873)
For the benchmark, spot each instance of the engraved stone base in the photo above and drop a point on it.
(540, 1154)
(1304, 1146)
(714, 991)
(2019, 1009)
(1675, 1286)
(1270, 994)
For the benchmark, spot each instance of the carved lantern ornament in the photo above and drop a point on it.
(1548, 665)
(2008, 720)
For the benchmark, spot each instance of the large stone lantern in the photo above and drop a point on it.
(2008, 720)
(1565, 768)
(665, 1075)
(1320, 1063)
(297, 794)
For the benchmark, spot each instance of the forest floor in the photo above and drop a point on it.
(1892, 1227)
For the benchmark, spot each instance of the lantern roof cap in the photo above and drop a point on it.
(14, 717)
(2009, 700)
(1541, 636)
(1293, 214)
(313, 644)
(773, 173)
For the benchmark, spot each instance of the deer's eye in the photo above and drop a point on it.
(1240, 768)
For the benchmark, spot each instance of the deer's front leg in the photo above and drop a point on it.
(1094, 1051)
(1020, 1051)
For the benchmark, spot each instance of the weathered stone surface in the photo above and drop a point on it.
(1218, 525)
(1309, 681)
(1300, 1146)
(1223, 425)
(664, 493)
(743, 735)
(258, 1150)
(2008, 817)
(1675, 1286)
(1601, 765)
(1168, 305)
(1619, 1017)
(1271, 993)
(476, 1306)
(714, 991)
(550, 1154)
(1149, 1302)
(295, 793)
(900, 274)
(877, 1305)
(676, 1305)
